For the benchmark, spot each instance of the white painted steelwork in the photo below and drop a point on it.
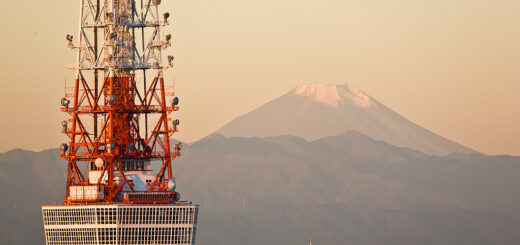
(120, 224)
(119, 23)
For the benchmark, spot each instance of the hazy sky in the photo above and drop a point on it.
(451, 66)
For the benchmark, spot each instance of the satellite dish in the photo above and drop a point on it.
(156, 2)
(99, 162)
(171, 185)
(64, 147)
(112, 99)
(65, 102)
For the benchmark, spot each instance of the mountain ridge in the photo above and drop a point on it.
(345, 189)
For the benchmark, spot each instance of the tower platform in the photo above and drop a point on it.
(158, 224)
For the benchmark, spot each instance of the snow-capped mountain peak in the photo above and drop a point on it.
(356, 95)
(333, 95)
(326, 94)
(316, 111)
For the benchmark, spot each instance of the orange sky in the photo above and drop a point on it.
(451, 66)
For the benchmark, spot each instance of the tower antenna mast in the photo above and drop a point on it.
(116, 129)
(106, 73)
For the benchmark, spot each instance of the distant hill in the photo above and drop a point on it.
(345, 189)
(315, 111)
(27, 180)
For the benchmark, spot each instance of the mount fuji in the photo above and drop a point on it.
(315, 111)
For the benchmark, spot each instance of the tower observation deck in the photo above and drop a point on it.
(120, 185)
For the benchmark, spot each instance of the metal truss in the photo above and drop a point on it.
(118, 25)
(106, 105)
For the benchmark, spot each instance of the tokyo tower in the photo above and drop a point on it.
(120, 185)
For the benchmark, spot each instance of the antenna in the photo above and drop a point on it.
(111, 186)
(110, 136)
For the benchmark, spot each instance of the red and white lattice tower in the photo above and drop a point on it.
(119, 123)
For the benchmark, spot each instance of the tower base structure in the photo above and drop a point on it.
(174, 223)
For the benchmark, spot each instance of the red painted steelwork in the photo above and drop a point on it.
(116, 108)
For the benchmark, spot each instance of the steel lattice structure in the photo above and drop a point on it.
(119, 122)
(119, 105)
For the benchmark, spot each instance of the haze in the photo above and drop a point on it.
(449, 66)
